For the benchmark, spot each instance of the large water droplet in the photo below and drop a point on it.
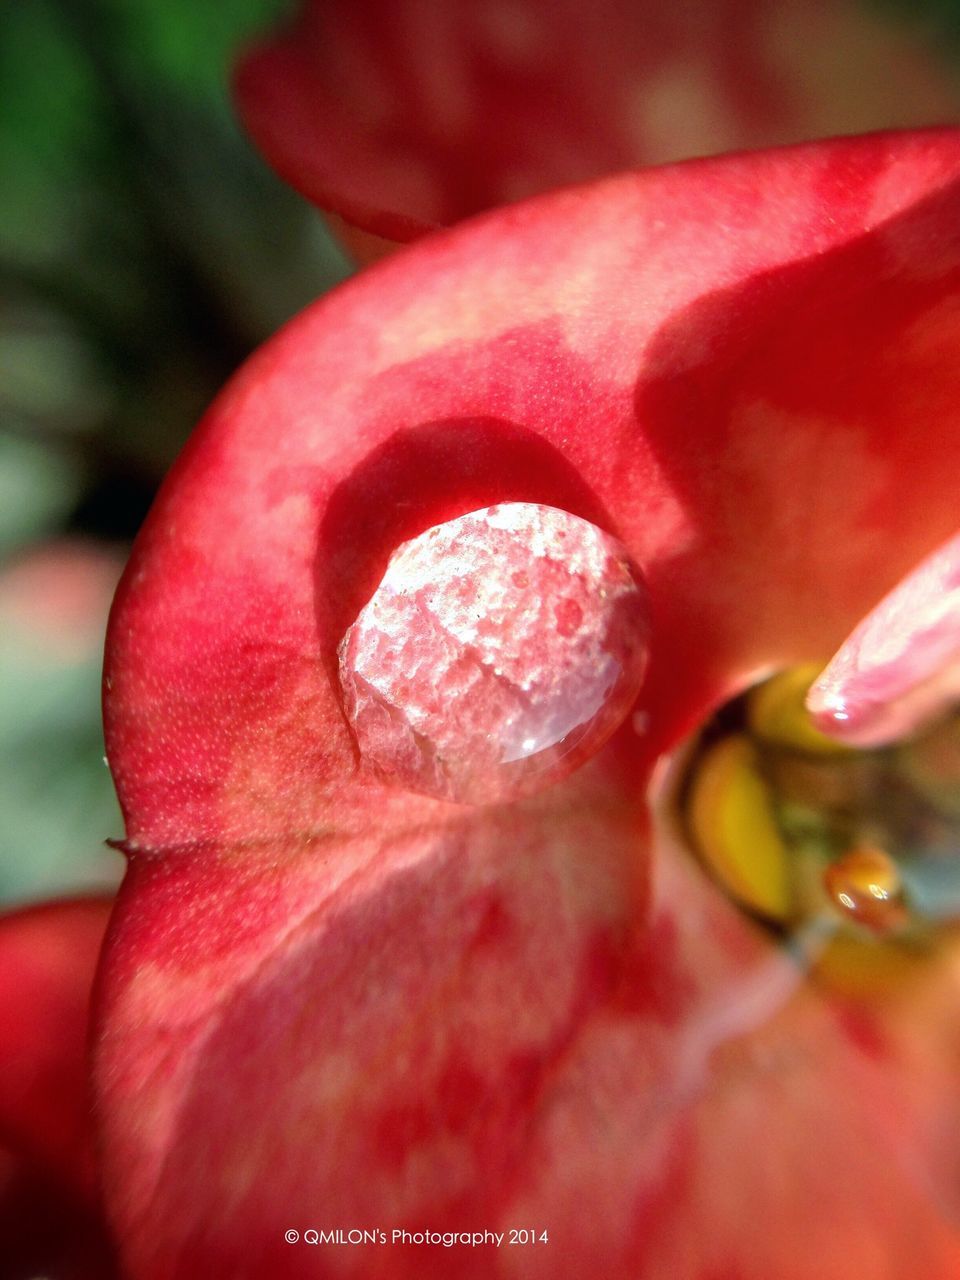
(498, 653)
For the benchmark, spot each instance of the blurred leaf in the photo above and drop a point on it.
(37, 488)
(142, 219)
(48, 372)
(940, 17)
(56, 800)
(189, 46)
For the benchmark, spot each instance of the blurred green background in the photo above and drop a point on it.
(144, 251)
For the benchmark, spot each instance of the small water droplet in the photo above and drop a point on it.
(496, 698)
(865, 884)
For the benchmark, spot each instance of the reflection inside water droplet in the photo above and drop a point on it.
(499, 652)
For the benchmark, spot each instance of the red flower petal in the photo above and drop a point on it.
(334, 1004)
(46, 1230)
(47, 959)
(401, 115)
(49, 1222)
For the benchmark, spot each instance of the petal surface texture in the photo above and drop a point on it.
(329, 1002)
(401, 115)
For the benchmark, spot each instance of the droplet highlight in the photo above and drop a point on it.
(864, 884)
(499, 652)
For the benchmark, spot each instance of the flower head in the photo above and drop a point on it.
(333, 1001)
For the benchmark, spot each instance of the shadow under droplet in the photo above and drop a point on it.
(420, 477)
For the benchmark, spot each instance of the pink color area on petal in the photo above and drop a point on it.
(46, 1231)
(901, 666)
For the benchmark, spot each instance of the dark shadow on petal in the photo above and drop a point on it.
(420, 477)
(807, 421)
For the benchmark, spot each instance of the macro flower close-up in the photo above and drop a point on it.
(537, 1009)
(532, 695)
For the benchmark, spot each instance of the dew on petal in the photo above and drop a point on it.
(499, 652)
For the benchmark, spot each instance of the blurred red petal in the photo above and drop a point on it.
(46, 1231)
(330, 1003)
(901, 665)
(401, 115)
(48, 955)
(50, 1222)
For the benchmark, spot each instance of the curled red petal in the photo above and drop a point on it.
(900, 667)
(401, 115)
(329, 997)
